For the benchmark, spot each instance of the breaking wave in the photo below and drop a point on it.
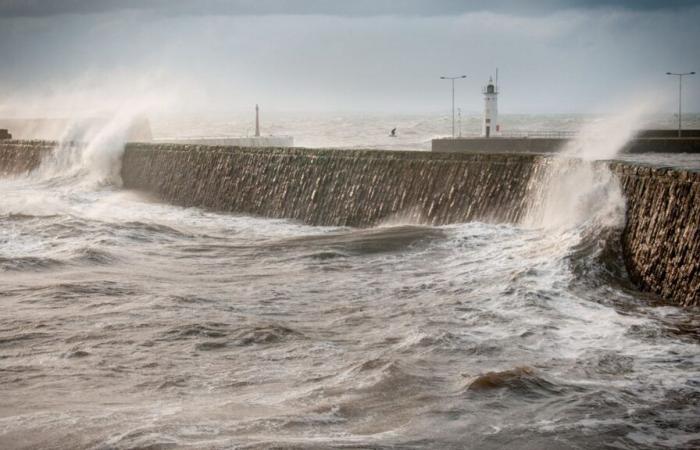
(181, 327)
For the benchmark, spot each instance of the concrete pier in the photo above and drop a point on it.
(551, 145)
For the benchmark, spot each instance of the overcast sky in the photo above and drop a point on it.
(363, 55)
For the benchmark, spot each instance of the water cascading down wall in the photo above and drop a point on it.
(660, 241)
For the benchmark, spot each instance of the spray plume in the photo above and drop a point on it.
(575, 187)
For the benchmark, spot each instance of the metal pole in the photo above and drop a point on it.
(680, 98)
(257, 121)
(453, 99)
(680, 101)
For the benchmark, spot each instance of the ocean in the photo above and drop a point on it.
(371, 130)
(131, 323)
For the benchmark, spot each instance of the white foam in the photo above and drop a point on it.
(574, 189)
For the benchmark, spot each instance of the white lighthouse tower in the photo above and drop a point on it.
(490, 126)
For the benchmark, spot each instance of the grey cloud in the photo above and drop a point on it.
(43, 8)
(566, 61)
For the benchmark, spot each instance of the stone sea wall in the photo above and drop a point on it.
(22, 156)
(661, 239)
(333, 187)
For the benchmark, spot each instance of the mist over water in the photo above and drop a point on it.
(130, 323)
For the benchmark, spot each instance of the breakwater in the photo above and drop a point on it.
(334, 187)
(22, 156)
(661, 238)
(660, 241)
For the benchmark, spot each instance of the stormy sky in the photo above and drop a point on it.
(216, 56)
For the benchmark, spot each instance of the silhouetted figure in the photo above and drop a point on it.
(393, 133)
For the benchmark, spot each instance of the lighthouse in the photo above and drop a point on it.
(490, 127)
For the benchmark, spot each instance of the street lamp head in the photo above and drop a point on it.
(669, 73)
(464, 76)
(692, 73)
(442, 78)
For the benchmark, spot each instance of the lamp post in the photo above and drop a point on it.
(680, 92)
(453, 99)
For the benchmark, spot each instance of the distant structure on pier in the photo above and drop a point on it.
(255, 141)
(493, 140)
(257, 121)
(4, 134)
(490, 126)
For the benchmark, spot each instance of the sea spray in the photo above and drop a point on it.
(574, 187)
(90, 151)
(567, 193)
(84, 162)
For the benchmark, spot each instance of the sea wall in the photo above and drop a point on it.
(334, 187)
(22, 156)
(660, 241)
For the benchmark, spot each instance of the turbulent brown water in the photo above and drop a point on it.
(128, 323)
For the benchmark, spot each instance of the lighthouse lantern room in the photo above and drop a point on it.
(490, 127)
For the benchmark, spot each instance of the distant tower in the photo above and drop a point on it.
(490, 127)
(257, 121)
